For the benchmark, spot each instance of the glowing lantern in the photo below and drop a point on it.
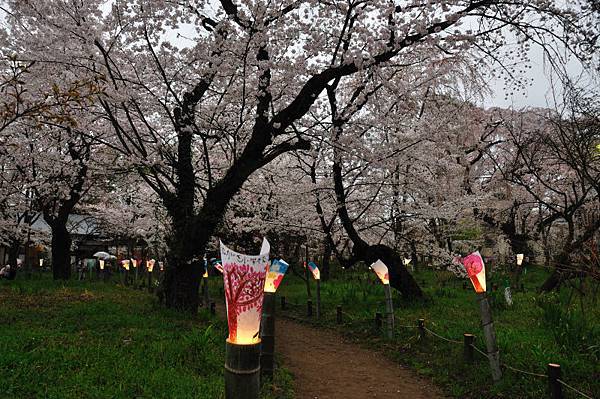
(125, 264)
(315, 270)
(406, 261)
(382, 271)
(520, 259)
(275, 274)
(162, 266)
(101, 264)
(41, 262)
(476, 271)
(244, 278)
(205, 275)
(134, 263)
(150, 265)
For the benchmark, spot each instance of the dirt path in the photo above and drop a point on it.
(325, 367)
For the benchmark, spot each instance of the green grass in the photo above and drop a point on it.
(96, 340)
(530, 333)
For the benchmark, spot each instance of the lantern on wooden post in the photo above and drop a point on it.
(317, 276)
(476, 271)
(150, 268)
(382, 272)
(520, 258)
(125, 264)
(205, 284)
(244, 281)
(275, 274)
(41, 263)
(134, 263)
(406, 262)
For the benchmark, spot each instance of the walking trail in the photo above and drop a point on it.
(326, 367)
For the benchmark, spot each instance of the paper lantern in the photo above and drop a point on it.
(382, 271)
(406, 261)
(244, 280)
(161, 265)
(520, 259)
(205, 275)
(315, 270)
(275, 274)
(101, 264)
(125, 264)
(475, 270)
(41, 262)
(134, 263)
(150, 265)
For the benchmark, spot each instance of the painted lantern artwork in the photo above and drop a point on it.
(244, 280)
(382, 271)
(475, 270)
(314, 270)
(520, 259)
(275, 274)
(125, 264)
(150, 265)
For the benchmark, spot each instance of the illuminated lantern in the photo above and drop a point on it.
(476, 271)
(101, 264)
(134, 263)
(125, 264)
(382, 271)
(244, 280)
(275, 274)
(161, 265)
(41, 262)
(520, 259)
(315, 270)
(205, 275)
(150, 265)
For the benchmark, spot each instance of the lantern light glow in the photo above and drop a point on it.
(101, 264)
(520, 259)
(275, 274)
(315, 270)
(476, 271)
(150, 265)
(244, 280)
(134, 263)
(125, 264)
(382, 271)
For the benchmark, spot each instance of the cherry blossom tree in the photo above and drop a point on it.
(203, 113)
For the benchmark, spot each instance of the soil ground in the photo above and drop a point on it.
(326, 367)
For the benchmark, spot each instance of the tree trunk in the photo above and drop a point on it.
(61, 251)
(325, 264)
(182, 283)
(13, 253)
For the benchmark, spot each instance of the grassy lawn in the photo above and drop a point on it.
(534, 331)
(96, 340)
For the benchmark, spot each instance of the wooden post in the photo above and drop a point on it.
(213, 308)
(309, 308)
(150, 288)
(490, 336)
(553, 384)
(205, 291)
(242, 371)
(468, 352)
(267, 335)
(389, 311)
(378, 320)
(307, 274)
(421, 326)
(338, 314)
(318, 299)
(283, 303)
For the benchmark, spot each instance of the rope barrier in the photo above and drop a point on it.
(573, 389)
(523, 371)
(480, 351)
(440, 337)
